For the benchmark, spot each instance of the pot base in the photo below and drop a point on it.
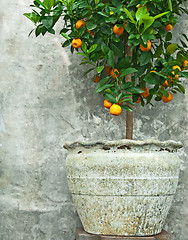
(83, 235)
(122, 215)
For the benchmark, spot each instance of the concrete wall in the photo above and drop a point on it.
(45, 101)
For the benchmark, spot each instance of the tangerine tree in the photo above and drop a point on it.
(127, 44)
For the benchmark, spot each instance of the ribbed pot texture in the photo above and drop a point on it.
(123, 187)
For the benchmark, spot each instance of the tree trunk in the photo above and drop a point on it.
(129, 115)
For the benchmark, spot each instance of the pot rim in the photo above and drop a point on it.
(123, 143)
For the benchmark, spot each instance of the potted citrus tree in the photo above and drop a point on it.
(122, 187)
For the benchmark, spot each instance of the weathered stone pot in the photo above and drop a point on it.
(123, 187)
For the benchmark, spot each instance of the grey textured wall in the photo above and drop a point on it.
(45, 101)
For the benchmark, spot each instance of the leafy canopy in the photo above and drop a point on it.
(142, 21)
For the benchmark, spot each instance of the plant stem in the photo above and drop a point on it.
(129, 115)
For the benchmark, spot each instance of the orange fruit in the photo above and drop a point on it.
(168, 27)
(185, 63)
(138, 101)
(119, 103)
(118, 30)
(167, 99)
(143, 49)
(114, 73)
(176, 67)
(80, 23)
(77, 42)
(108, 70)
(115, 109)
(165, 84)
(145, 93)
(97, 79)
(107, 104)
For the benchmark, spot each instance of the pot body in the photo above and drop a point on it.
(123, 187)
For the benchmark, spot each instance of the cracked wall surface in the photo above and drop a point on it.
(44, 102)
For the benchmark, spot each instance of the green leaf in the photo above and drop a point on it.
(103, 14)
(134, 90)
(171, 48)
(160, 15)
(185, 36)
(91, 25)
(116, 2)
(164, 92)
(32, 16)
(104, 87)
(116, 50)
(141, 12)
(41, 3)
(66, 43)
(170, 5)
(145, 58)
(91, 69)
(84, 47)
(92, 48)
(182, 89)
(152, 78)
(168, 36)
(105, 49)
(147, 21)
(48, 3)
(111, 58)
(101, 83)
(127, 108)
(51, 30)
(128, 71)
(119, 97)
(99, 69)
(158, 51)
(47, 21)
(65, 36)
(183, 44)
(97, 1)
(110, 97)
(184, 74)
(129, 15)
(127, 84)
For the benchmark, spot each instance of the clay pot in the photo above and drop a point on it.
(123, 187)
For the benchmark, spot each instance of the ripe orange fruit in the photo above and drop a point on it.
(119, 103)
(108, 70)
(138, 101)
(168, 27)
(97, 79)
(145, 93)
(118, 30)
(167, 99)
(143, 49)
(80, 23)
(77, 42)
(176, 67)
(107, 104)
(165, 84)
(115, 109)
(114, 73)
(185, 63)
